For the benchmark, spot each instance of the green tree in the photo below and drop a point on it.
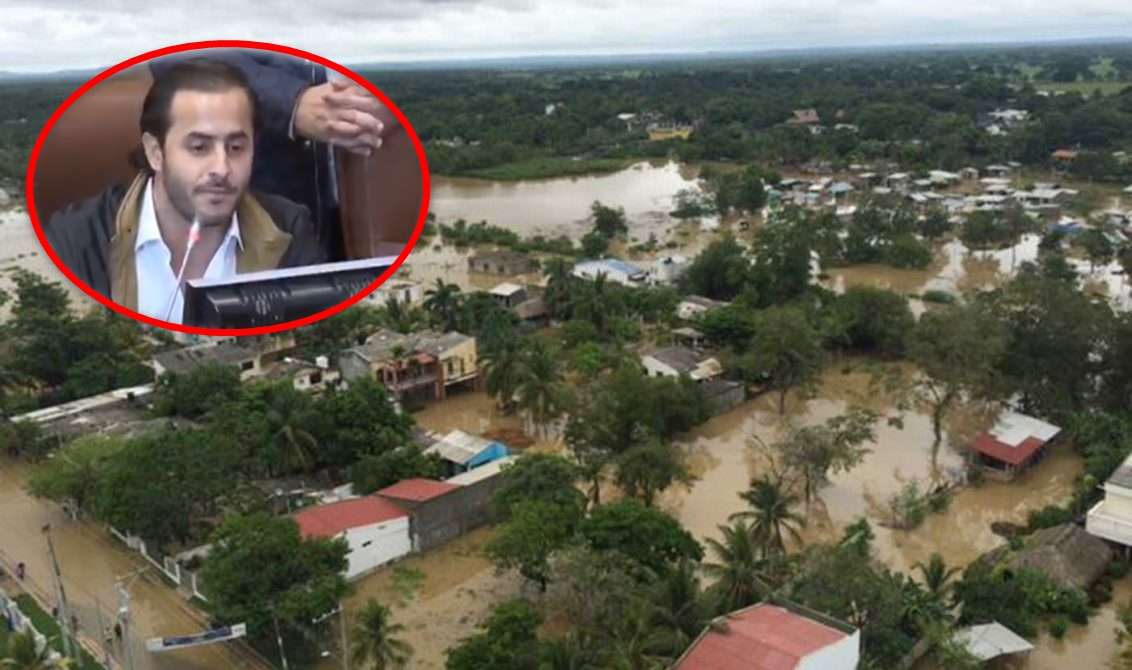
(643, 534)
(305, 580)
(835, 446)
(374, 641)
(360, 420)
(74, 472)
(373, 472)
(535, 530)
(934, 224)
(771, 515)
(647, 468)
(787, 349)
(539, 477)
(738, 568)
(608, 221)
(956, 349)
(679, 608)
(21, 653)
(718, 272)
(442, 302)
(540, 390)
(872, 320)
(1097, 246)
(509, 641)
(936, 575)
(193, 394)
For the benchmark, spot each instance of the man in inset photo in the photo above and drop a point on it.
(189, 213)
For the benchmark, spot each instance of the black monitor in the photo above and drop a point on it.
(276, 296)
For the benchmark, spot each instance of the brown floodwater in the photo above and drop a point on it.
(90, 562)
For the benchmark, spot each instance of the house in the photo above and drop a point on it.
(502, 263)
(677, 361)
(898, 180)
(305, 376)
(1013, 444)
(774, 635)
(251, 356)
(615, 270)
(943, 177)
(1067, 554)
(840, 189)
(1111, 518)
(804, 117)
(997, 171)
(442, 511)
(694, 306)
(689, 337)
(424, 364)
(668, 131)
(968, 174)
(113, 412)
(1063, 156)
(376, 530)
(403, 291)
(509, 295)
(462, 452)
(532, 310)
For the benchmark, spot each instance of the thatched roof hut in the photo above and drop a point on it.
(1066, 554)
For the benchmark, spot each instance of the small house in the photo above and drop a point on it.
(461, 452)
(804, 117)
(991, 640)
(403, 291)
(614, 269)
(376, 530)
(502, 263)
(774, 635)
(694, 306)
(997, 170)
(508, 295)
(689, 337)
(1015, 443)
(677, 361)
(1111, 518)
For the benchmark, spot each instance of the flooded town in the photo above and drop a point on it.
(720, 368)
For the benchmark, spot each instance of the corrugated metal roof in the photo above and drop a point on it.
(991, 640)
(330, 520)
(481, 473)
(762, 637)
(459, 447)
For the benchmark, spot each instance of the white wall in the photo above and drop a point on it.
(377, 544)
(689, 310)
(654, 368)
(843, 655)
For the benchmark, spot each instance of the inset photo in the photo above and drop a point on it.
(229, 189)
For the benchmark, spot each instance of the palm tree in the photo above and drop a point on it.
(295, 446)
(679, 610)
(558, 297)
(540, 390)
(375, 644)
(739, 567)
(443, 304)
(936, 575)
(771, 514)
(502, 367)
(401, 316)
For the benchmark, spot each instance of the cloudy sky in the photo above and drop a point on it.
(45, 35)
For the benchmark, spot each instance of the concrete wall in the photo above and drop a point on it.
(460, 361)
(453, 514)
(353, 366)
(377, 544)
(843, 655)
(656, 368)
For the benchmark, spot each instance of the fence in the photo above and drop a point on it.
(20, 623)
(186, 581)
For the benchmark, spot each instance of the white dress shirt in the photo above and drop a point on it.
(157, 282)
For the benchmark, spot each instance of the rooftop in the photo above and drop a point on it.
(761, 637)
(335, 518)
(417, 490)
(181, 361)
(506, 289)
(380, 346)
(481, 473)
(613, 264)
(459, 447)
(1015, 437)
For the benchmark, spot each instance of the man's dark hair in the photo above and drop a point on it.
(195, 74)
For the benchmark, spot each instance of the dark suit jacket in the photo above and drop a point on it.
(294, 168)
(95, 238)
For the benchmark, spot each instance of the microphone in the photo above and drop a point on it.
(194, 236)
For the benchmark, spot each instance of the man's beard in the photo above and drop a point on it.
(181, 197)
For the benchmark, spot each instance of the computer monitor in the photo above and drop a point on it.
(276, 296)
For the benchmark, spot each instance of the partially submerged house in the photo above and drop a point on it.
(696, 305)
(992, 640)
(442, 511)
(424, 363)
(461, 451)
(1066, 554)
(376, 530)
(614, 270)
(509, 295)
(502, 263)
(677, 361)
(774, 636)
(251, 356)
(1014, 443)
(1111, 518)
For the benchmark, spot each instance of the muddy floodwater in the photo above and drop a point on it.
(561, 206)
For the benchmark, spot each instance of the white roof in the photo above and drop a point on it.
(458, 447)
(1012, 428)
(898, 175)
(991, 640)
(481, 473)
(506, 289)
(84, 404)
(1128, 189)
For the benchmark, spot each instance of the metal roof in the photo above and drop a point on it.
(991, 640)
(330, 520)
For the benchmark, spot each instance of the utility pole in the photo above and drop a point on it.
(279, 640)
(61, 596)
(345, 641)
(122, 584)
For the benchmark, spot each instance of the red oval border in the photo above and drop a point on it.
(209, 44)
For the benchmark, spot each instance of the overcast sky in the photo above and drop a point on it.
(45, 35)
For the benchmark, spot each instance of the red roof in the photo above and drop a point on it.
(417, 490)
(762, 637)
(987, 445)
(330, 520)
